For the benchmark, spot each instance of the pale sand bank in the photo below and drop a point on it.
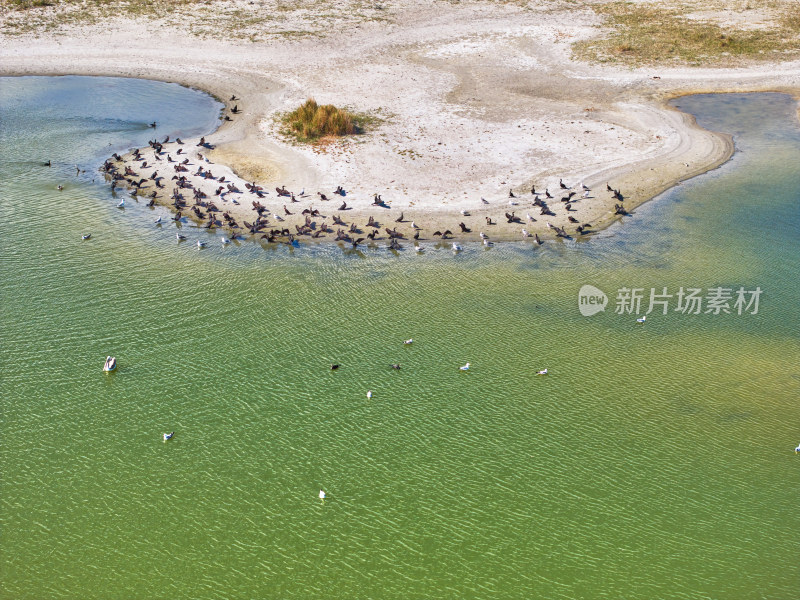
(478, 100)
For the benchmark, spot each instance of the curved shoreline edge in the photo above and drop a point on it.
(238, 144)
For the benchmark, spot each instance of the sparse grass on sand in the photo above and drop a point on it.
(654, 33)
(311, 122)
(223, 19)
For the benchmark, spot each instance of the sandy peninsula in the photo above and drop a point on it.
(478, 103)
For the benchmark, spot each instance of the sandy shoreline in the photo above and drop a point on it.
(474, 105)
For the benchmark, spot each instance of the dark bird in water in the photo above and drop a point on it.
(334, 367)
(153, 125)
(47, 164)
(356, 242)
(396, 366)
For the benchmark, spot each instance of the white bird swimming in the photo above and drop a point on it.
(641, 319)
(86, 237)
(180, 237)
(321, 495)
(796, 450)
(168, 436)
(121, 203)
(487, 243)
(225, 241)
(544, 372)
(465, 367)
(409, 341)
(201, 244)
(419, 249)
(158, 221)
(456, 247)
(369, 394)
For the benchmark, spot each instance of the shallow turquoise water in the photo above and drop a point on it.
(653, 461)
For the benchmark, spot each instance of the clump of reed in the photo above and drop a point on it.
(312, 121)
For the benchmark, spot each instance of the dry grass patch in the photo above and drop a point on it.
(312, 122)
(223, 19)
(640, 33)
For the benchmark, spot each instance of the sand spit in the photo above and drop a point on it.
(476, 102)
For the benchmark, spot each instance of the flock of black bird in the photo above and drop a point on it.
(210, 216)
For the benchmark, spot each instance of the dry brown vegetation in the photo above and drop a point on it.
(311, 122)
(225, 19)
(694, 33)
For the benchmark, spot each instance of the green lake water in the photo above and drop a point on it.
(653, 461)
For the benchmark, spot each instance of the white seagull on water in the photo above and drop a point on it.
(465, 367)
